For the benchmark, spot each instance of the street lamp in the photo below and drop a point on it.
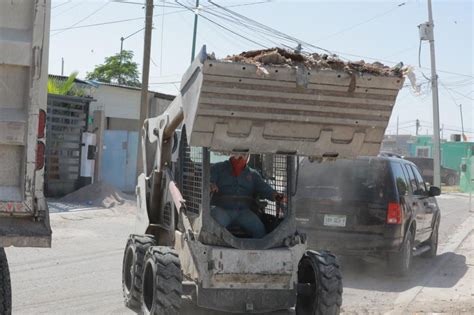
(121, 50)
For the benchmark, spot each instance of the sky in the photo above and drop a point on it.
(356, 30)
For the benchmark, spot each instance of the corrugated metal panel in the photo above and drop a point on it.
(309, 112)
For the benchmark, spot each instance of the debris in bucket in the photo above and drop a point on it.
(283, 57)
(99, 194)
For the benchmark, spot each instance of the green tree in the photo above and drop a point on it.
(119, 69)
(65, 87)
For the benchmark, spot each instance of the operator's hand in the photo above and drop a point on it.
(279, 197)
(214, 188)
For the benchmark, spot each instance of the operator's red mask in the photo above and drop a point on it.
(238, 165)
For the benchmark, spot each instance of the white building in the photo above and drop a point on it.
(121, 105)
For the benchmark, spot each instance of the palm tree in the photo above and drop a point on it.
(61, 87)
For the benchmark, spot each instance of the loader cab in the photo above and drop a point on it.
(271, 213)
(277, 170)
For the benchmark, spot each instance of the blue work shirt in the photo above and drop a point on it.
(247, 184)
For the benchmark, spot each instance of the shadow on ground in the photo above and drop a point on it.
(189, 308)
(359, 274)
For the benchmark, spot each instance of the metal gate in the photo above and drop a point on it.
(66, 120)
(119, 159)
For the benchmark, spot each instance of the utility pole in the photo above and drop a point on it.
(427, 33)
(462, 123)
(196, 15)
(120, 63)
(62, 66)
(145, 78)
(397, 128)
(417, 126)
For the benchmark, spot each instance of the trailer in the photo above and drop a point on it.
(24, 217)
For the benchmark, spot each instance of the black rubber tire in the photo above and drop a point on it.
(451, 180)
(5, 285)
(401, 262)
(132, 268)
(433, 241)
(321, 270)
(162, 282)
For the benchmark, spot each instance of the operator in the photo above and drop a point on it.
(234, 184)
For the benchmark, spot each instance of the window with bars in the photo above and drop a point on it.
(191, 177)
(278, 179)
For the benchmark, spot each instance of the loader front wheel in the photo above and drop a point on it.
(132, 268)
(162, 282)
(319, 284)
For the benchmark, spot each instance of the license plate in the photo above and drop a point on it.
(334, 220)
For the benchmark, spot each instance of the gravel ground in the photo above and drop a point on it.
(81, 274)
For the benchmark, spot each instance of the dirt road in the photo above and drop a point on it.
(81, 274)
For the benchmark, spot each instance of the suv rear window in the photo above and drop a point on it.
(400, 178)
(357, 180)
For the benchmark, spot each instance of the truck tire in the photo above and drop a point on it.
(162, 282)
(132, 269)
(5, 285)
(320, 271)
(433, 241)
(401, 261)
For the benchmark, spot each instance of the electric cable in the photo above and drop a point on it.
(361, 23)
(218, 24)
(114, 22)
(59, 5)
(85, 18)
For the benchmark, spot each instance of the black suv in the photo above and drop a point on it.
(367, 206)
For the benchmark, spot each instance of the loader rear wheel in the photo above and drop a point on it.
(162, 282)
(319, 284)
(5, 285)
(132, 268)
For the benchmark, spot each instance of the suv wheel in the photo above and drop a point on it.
(433, 242)
(401, 261)
(451, 180)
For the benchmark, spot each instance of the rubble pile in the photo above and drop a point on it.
(98, 194)
(283, 57)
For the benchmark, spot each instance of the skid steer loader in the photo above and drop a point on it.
(226, 107)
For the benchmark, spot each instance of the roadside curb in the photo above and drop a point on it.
(404, 299)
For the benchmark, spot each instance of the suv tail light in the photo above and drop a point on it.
(39, 155)
(394, 213)
(41, 123)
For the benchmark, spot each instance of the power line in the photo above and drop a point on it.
(267, 28)
(238, 22)
(402, 51)
(68, 9)
(85, 18)
(222, 26)
(362, 23)
(463, 95)
(449, 93)
(164, 5)
(298, 41)
(59, 5)
(114, 22)
(228, 18)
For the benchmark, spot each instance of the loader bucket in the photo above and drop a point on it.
(233, 106)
